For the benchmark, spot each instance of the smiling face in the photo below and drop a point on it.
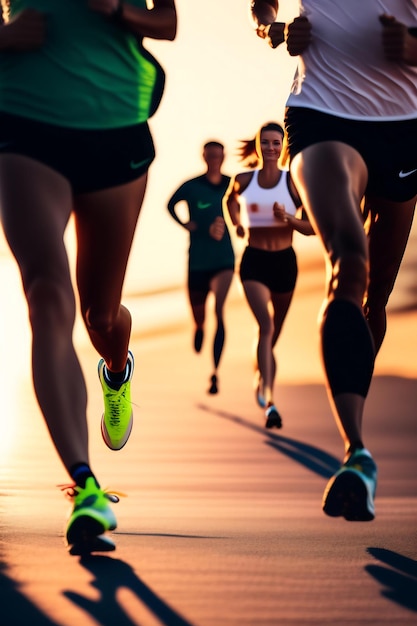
(270, 145)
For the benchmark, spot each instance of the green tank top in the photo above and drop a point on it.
(89, 73)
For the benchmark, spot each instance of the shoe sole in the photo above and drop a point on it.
(88, 523)
(347, 496)
(273, 420)
(106, 437)
(92, 544)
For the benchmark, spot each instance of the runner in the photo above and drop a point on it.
(268, 269)
(76, 90)
(211, 257)
(352, 132)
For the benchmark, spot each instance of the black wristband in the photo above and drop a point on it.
(413, 31)
(117, 15)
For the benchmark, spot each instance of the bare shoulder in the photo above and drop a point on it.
(242, 180)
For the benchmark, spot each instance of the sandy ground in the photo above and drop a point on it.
(222, 523)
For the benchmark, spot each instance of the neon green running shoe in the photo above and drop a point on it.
(90, 518)
(117, 419)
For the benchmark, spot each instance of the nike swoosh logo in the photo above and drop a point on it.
(135, 165)
(203, 205)
(403, 174)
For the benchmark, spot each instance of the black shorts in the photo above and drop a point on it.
(277, 270)
(388, 148)
(199, 281)
(89, 159)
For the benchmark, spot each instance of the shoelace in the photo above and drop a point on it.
(71, 492)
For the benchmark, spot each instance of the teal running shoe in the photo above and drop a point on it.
(351, 491)
(117, 419)
(90, 518)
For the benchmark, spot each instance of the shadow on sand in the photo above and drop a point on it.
(314, 459)
(20, 611)
(111, 575)
(398, 576)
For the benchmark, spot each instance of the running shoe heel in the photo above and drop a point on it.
(350, 492)
(117, 419)
(273, 418)
(90, 518)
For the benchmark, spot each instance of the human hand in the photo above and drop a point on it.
(25, 31)
(190, 226)
(280, 213)
(397, 43)
(275, 33)
(298, 36)
(217, 228)
(106, 7)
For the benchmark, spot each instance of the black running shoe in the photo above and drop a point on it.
(213, 387)
(273, 418)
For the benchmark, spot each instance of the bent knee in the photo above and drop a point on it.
(51, 300)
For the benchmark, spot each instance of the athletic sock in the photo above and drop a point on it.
(80, 472)
(116, 379)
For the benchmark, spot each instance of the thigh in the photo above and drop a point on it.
(281, 303)
(220, 285)
(34, 216)
(259, 300)
(331, 178)
(390, 224)
(105, 224)
(198, 287)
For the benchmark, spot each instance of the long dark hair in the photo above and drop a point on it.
(249, 151)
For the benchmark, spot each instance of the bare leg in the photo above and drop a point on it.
(198, 309)
(331, 179)
(105, 223)
(281, 303)
(220, 286)
(34, 218)
(388, 235)
(259, 299)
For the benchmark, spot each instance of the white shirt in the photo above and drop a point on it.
(258, 202)
(343, 71)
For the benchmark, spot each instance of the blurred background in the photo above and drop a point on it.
(222, 82)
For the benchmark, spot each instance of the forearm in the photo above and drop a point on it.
(157, 23)
(233, 208)
(301, 226)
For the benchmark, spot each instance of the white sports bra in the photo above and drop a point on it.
(258, 201)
